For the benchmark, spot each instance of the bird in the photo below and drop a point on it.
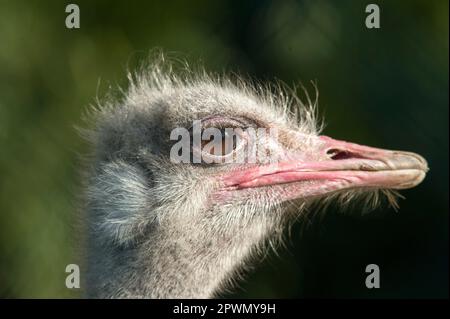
(161, 228)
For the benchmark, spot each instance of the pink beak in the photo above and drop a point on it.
(343, 165)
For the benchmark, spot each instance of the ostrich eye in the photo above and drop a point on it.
(220, 146)
(221, 138)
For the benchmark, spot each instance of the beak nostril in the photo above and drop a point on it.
(336, 154)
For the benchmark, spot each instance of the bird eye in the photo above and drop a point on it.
(220, 146)
(221, 138)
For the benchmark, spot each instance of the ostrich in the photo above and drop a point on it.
(164, 229)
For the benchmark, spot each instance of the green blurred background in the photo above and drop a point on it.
(385, 87)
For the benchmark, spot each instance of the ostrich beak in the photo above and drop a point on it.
(341, 165)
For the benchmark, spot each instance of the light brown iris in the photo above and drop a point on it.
(220, 147)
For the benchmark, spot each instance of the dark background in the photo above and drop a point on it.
(384, 87)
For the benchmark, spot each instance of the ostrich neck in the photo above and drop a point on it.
(175, 261)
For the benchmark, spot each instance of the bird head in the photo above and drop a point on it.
(215, 156)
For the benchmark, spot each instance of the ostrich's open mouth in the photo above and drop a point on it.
(346, 165)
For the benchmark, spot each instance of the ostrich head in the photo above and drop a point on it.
(165, 228)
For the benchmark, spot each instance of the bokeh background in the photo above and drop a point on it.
(385, 87)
